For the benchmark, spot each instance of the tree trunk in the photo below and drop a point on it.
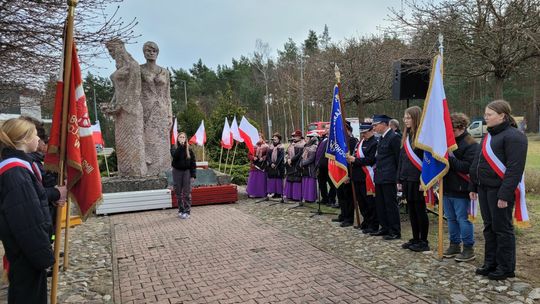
(498, 93)
(360, 111)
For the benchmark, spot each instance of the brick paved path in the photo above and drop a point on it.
(222, 255)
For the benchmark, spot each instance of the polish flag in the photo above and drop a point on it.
(235, 132)
(96, 134)
(226, 136)
(174, 132)
(249, 134)
(200, 136)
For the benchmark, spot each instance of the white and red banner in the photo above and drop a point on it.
(200, 136)
(369, 171)
(174, 131)
(96, 134)
(235, 132)
(521, 215)
(226, 136)
(83, 176)
(249, 134)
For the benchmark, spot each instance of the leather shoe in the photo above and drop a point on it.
(500, 275)
(484, 270)
(346, 224)
(392, 237)
(337, 220)
(379, 233)
(368, 231)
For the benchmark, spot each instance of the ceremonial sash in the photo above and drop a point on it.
(368, 170)
(521, 215)
(429, 195)
(16, 162)
(473, 205)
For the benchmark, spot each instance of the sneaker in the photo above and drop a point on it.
(452, 250)
(466, 255)
(186, 216)
(180, 214)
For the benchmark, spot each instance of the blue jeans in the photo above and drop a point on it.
(460, 229)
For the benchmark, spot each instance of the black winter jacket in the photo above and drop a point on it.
(387, 158)
(181, 162)
(279, 165)
(460, 162)
(369, 148)
(510, 146)
(25, 222)
(49, 179)
(407, 171)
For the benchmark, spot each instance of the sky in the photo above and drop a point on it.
(217, 31)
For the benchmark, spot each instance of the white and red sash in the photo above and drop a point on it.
(472, 211)
(369, 171)
(429, 195)
(521, 214)
(9, 163)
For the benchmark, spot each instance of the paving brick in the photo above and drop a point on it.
(222, 255)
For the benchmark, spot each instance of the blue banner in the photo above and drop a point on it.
(336, 150)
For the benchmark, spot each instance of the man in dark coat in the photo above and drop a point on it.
(327, 197)
(387, 159)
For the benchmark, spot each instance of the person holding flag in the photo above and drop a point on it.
(457, 204)
(25, 222)
(363, 166)
(345, 190)
(184, 173)
(409, 169)
(497, 181)
(275, 167)
(386, 162)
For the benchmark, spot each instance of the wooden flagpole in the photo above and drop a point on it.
(440, 235)
(226, 161)
(220, 155)
(63, 138)
(347, 138)
(234, 154)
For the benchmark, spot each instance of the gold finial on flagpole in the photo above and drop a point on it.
(337, 73)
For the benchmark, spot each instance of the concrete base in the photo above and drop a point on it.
(128, 184)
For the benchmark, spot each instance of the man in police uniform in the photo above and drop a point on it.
(387, 158)
(360, 162)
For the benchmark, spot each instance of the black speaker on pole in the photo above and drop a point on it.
(411, 79)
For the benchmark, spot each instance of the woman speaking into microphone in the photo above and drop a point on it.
(497, 181)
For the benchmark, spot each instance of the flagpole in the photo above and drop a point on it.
(203, 152)
(63, 136)
(343, 116)
(226, 161)
(220, 155)
(440, 239)
(106, 163)
(234, 154)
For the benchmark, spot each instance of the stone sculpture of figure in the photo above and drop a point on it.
(157, 111)
(127, 110)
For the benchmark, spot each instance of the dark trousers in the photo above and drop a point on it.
(387, 208)
(26, 284)
(367, 206)
(500, 248)
(345, 198)
(327, 197)
(182, 188)
(417, 210)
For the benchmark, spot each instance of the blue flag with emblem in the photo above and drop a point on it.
(336, 150)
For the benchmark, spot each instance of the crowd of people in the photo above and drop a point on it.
(385, 164)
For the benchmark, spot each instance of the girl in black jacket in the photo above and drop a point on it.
(409, 170)
(184, 173)
(507, 146)
(25, 222)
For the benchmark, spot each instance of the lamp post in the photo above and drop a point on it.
(185, 89)
(302, 92)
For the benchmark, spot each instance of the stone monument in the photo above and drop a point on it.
(142, 110)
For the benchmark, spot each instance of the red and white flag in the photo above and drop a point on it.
(83, 177)
(226, 136)
(235, 132)
(174, 131)
(249, 134)
(96, 134)
(200, 136)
